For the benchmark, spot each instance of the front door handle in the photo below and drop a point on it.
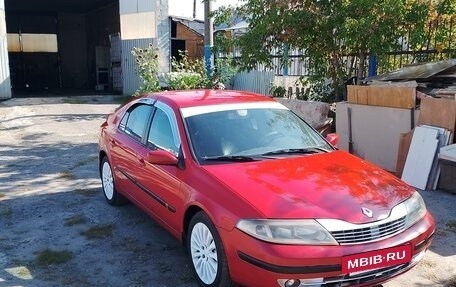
(141, 161)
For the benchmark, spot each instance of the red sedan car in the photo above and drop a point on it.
(257, 196)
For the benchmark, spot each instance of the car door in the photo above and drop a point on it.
(162, 183)
(127, 143)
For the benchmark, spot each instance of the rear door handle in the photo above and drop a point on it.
(112, 142)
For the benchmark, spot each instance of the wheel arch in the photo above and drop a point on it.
(189, 213)
(102, 154)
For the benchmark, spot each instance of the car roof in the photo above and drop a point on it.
(194, 98)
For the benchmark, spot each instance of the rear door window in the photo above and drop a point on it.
(135, 121)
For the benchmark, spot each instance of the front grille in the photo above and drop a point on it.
(369, 233)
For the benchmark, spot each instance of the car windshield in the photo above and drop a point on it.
(250, 133)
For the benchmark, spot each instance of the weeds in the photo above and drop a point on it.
(163, 267)
(185, 278)
(74, 101)
(166, 247)
(85, 161)
(132, 245)
(452, 226)
(13, 165)
(50, 257)
(88, 192)
(74, 220)
(66, 174)
(451, 282)
(6, 211)
(98, 232)
(428, 264)
(138, 282)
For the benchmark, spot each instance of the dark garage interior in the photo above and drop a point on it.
(57, 46)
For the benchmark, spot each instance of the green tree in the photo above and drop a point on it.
(337, 35)
(439, 31)
(435, 38)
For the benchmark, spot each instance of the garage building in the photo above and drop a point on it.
(54, 46)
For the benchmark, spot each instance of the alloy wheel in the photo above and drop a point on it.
(108, 182)
(204, 253)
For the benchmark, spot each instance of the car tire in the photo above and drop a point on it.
(206, 254)
(108, 184)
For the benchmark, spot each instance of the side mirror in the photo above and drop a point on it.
(162, 157)
(333, 139)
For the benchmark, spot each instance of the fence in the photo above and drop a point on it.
(254, 81)
(440, 44)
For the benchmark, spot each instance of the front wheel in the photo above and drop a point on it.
(206, 253)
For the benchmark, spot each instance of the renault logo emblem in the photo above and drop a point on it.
(367, 212)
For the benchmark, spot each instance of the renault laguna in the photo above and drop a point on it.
(258, 197)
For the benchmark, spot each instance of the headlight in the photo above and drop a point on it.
(416, 209)
(305, 232)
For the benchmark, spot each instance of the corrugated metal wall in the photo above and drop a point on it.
(5, 81)
(159, 18)
(254, 81)
(131, 80)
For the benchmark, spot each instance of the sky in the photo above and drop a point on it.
(185, 7)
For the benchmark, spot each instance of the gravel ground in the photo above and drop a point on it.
(57, 230)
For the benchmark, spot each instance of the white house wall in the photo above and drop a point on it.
(143, 22)
(5, 81)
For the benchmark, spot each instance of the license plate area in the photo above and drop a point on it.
(372, 260)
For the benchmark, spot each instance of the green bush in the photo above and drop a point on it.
(224, 71)
(278, 92)
(317, 89)
(147, 60)
(185, 80)
(187, 74)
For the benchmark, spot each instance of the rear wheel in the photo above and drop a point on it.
(206, 253)
(107, 180)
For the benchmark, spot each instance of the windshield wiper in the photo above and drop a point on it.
(235, 158)
(308, 150)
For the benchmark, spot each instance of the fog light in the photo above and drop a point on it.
(292, 283)
(315, 282)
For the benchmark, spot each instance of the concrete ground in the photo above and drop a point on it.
(57, 230)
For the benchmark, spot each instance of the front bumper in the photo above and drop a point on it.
(256, 263)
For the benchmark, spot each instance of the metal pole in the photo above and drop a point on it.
(285, 59)
(372, 65)
(194, 9)
(208, 35)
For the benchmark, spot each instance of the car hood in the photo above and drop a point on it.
(328, 185)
